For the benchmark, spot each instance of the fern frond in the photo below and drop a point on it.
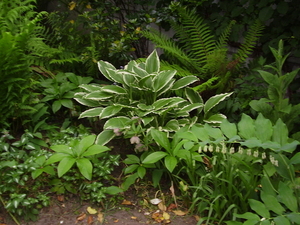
(223, 39)
(199, 42)
(170, 48)
(252, 36)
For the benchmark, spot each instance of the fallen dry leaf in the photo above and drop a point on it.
(117, 220)
(134, 217)
(158, 217)
(171, 207)
(162, 206)
(90, 220)
(166, 215)
(60, 198)
(197, 217)
(179, 212)
(91, 210)
(126, 202)
(100, 217)
(80, 217)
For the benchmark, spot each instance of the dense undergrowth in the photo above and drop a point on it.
(223, 134)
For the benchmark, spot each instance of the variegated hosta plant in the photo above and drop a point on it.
(142, 96)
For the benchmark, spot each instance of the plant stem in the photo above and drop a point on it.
(11, 215)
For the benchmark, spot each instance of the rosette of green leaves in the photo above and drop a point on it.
(140, 90)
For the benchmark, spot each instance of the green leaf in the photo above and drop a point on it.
(121, 122)
(295, 159)
(95, 149)
(113, 190)
(131, 159)
(65, 165)
(104, 137)
(262, 105)
(56, 106)
(229, 129)
(282, 7)
(141, 171)
(183, 82)
(282, 220)
(287, 197)
(95, 112)
(109, 111)
(156, 176)
(294, 217)
(154, 157)
(36, 173)
(152, 64)
(280, 132)
(131, 168)
(246, 127)
(84, 144)
(170, 163)
(272, 203)
(68, 103)
(213, 101)
(161, 138)
(56, 157)
(259, 208)
(248, 216)
(85, 167)
(264, 128)
(265, 13)
(213, 132)
(129, 181)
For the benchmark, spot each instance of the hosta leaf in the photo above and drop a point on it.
(87, 102)
(90, 87)
(85, 167)
(213, 101)
(183, 82)
(246, 127)
(191, 107)
(152, 64)
(95, 112)
(172, 125)
(146, 83)
(103, 66)
(167, 102)
(121, 122)
(140, 72)
(154, 157)
(95, 149)
(104, 137)
(99, 96)
(109, 111)
(162, 79)
(170, 163)
(116, 76)
(128, 78)
(216, 118)
(65, 165)
(114, 89)
(193, 96)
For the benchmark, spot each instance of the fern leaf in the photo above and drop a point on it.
(250, 40)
